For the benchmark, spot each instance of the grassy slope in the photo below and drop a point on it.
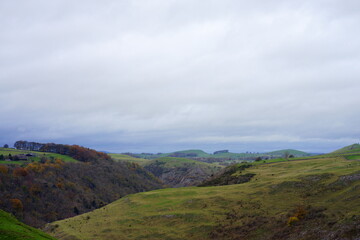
(7, 151)
(11, 228)
(127, 158)
(193, 212)
(290, 151)
(349, 149)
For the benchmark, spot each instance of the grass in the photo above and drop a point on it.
(349, 149)
(37, 156)
(127, 158)
(11, 228)
(194, 212)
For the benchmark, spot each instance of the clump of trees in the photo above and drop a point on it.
(75, 151)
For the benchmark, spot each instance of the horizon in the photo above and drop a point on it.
(209, 151)
(160, 76)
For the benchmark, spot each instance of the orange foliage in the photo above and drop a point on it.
(4, 169)
(60, 185)
(35, 189)
(20, 172)
(35, 167)
(16, 204)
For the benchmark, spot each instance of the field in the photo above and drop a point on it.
(37, 156)
(127, 158)
(11, 228)
(287, 197)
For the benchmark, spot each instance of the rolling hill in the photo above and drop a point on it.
(295, 153)
(349, 149)
(316, 198)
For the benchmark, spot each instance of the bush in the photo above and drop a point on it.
(16, 204)
(20, 172)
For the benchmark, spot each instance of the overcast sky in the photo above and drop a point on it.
(166, 75)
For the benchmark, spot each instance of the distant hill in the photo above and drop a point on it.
(295, 153)
(349, 149)
(221, 156)
(180, 172)
(11, 228)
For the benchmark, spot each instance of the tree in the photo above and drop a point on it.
(6, 146)
(286, 155)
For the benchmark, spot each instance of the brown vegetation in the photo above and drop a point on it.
(44, 192)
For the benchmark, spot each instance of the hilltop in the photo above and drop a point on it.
(297, 199)
(349, 149)
(295, 153)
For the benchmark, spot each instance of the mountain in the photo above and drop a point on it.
(11, 228)
(181, 172)
(312, 198)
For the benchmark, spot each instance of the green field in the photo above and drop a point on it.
(11, 228)
(127, 158)
(262, 206)
(37, 156)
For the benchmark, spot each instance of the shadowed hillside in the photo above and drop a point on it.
(181, 172)
(44, 189)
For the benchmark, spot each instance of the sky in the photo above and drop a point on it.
(167, 75)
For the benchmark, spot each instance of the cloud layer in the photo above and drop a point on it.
(167, 75)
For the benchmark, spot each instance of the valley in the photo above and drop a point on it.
(313, 198)
(280, 198)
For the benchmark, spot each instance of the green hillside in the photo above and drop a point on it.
(349, 149)
(127, 158)
(11, 228)
(301, 199)
(293, 152)
(36, 156)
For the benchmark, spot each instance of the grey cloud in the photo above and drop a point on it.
(174, 74)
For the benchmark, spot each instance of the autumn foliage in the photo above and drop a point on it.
(4, 169)
(20, 172)
(16, 204)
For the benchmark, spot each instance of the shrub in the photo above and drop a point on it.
(20, 172)
(16, 204)
(4, 169)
